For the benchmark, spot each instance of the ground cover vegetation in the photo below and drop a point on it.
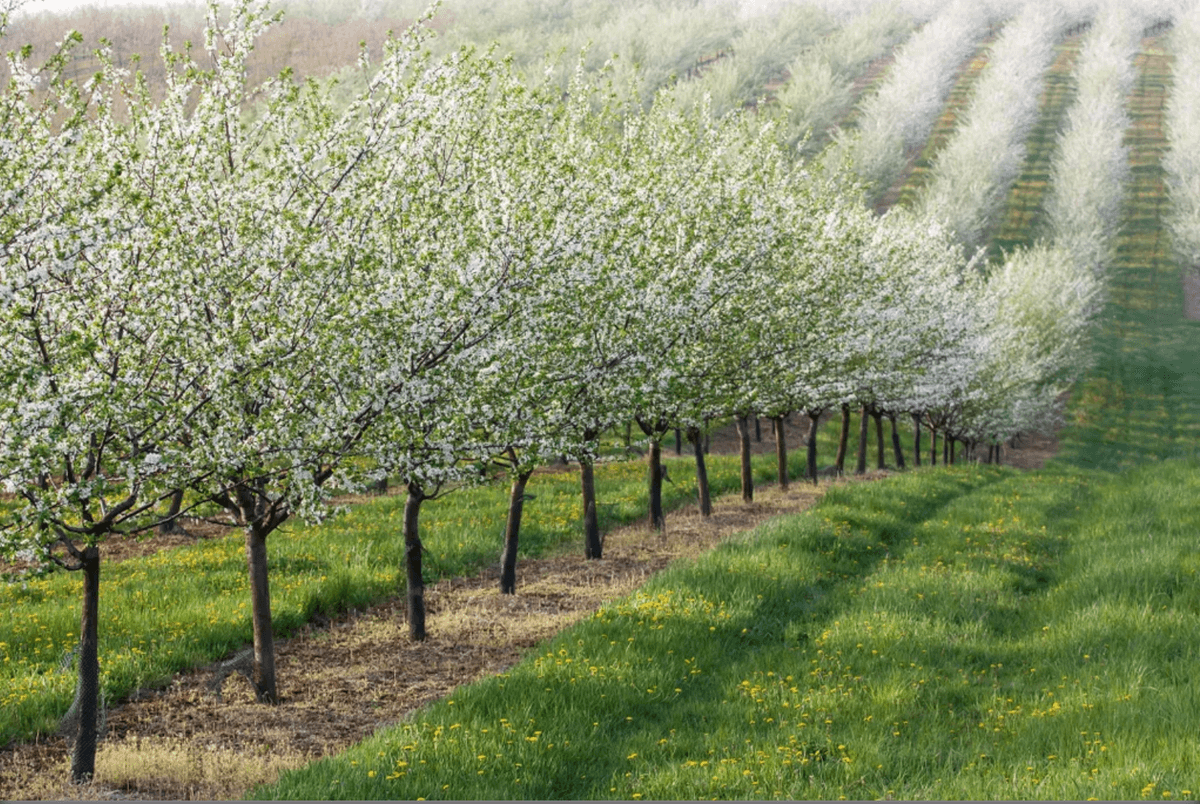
(921, 637)
(461, 267)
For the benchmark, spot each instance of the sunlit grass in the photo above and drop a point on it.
(967, 633)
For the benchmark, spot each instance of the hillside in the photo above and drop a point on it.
(965, 631)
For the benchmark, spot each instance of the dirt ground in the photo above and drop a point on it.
(341, 680)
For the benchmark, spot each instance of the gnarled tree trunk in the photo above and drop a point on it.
(781, 462)
(593, 547)
(412, 563)
(170, 525)
(897, 450)
(263, 673)
(860, 467)
(877, 415)
(657, 518)
(512, 532)
(83, 755)
(813, 418)
(839, 464)
(743, 431)
(705, 499)
(916, 439)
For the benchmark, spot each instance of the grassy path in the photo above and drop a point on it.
(1142, 402)
(924, 637)
(905, 189)
(1020, 224)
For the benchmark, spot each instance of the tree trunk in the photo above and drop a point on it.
(757, 430)
(263, 674)
(933, 445)
(781, 461)
(896, 448)
(843, 441)
(861, 467)
(83, 756)
(592, 546)
(412, 563)
(812, 445)
(701, 471)
(743, 431)
(678, 441)
(880, 462)
(171, 525)
(512, 533)
(947, 440)
(657, 519)
(916, 439)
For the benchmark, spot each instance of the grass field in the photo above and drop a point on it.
(960, 633)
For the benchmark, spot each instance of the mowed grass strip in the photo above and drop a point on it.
(908, 186)
(1021, 223)
(957, 634)
(188, 606)
(1142, 400)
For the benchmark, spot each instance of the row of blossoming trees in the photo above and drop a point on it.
(455, 270)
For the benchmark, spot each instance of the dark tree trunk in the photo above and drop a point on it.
(860, 467)
(813, 418)
(916, 439)
(947, 454)
(512, 533)
(678, 441)
(83, 756)
(896, 448)
(757, 430)
(592, 546)
(263, 674)
(880, 462)
(743, 431)
(839, 464)
(171, 525)
(657, 519)
(628, 434)
(412, 563)
(781, 461)
(933, 445)
(701, 471)
(999, 451)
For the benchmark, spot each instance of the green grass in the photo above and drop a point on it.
(148, 633)
(1142, 400)
(927, 636)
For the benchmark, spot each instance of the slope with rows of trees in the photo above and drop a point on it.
(249, 292)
